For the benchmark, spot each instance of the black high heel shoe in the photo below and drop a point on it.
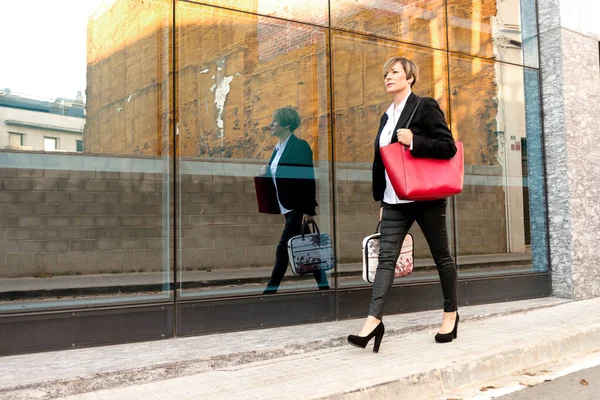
(362, 341)
(448, 337)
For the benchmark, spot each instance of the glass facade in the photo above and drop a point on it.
(127, 162)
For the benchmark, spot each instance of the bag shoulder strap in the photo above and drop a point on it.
(412, 114)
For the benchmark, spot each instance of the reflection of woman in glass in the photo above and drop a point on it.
(291, 168)
(430, 137)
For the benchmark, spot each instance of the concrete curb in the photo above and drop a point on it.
(437, 382)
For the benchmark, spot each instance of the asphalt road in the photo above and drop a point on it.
(568, 387)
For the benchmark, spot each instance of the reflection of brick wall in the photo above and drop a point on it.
(127, 65)
(270, 63)
(276, 39)
(474, 100)
(127, 110)
(88, 222)
(266, 64)
(407, 20)
(469, 29)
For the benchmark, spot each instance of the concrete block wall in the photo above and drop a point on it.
(78, 222)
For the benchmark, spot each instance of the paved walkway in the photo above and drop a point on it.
(314, 361)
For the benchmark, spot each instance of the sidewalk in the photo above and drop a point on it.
(314, 361)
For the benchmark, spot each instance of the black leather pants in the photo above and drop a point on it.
(396, 221)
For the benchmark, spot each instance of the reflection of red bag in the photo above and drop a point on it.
(423, 178)
(266, 197)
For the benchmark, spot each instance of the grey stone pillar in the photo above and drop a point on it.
(570, 70)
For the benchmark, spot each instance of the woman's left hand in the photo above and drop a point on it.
(405, 136)
(307, 219)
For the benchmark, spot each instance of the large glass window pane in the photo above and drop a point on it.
(85, 224)
(501, 212)
(310, 11)
(359, 100)
(231, 79)
(503, 30)
(420, 22)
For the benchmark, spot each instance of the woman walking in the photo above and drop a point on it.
(291, 169)
(429, 137)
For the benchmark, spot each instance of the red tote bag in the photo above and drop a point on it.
(423, 178)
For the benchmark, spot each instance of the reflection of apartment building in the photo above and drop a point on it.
(31, 124)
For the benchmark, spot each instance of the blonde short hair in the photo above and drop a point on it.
(287, 116)
(410, 68)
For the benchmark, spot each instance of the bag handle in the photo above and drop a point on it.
(410, 118)
(306, 228)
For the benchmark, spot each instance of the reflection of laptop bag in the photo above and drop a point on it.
(310, 252)
(370, 250)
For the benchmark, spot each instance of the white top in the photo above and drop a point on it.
(389, 196)
(279, 148)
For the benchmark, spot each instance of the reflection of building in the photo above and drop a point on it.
(127, 94)
(30, 124)
(243, 67)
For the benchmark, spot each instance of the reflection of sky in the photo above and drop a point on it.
(44, 46)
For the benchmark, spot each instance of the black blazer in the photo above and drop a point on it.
(431, 137)
(295, 177)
